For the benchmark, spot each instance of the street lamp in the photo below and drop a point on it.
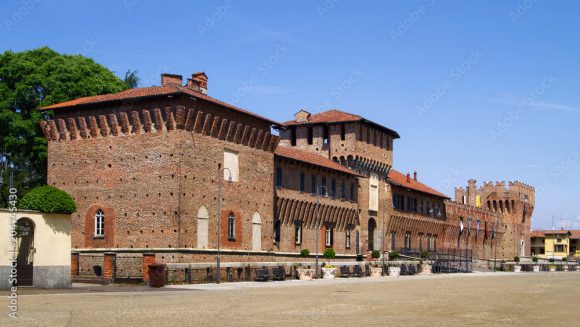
(219, 198)
(318, 190)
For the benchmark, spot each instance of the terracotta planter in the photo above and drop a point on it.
(329, 273)
(565, 268)
(426, 269)
(305, 273)
(517, 268)
(376, 271)
(552, 268)
(536, 268)
(394, 271)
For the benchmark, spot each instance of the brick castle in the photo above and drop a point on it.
(143, 166)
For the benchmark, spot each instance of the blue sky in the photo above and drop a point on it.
(485, 90)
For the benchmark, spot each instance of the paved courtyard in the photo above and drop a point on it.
(442, 300)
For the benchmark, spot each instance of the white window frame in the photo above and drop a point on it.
(347, 236)
(99, 223)
(298, 233)
(328, 241)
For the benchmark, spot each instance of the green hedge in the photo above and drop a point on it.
(48, 199)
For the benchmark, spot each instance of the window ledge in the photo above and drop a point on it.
(98, 236)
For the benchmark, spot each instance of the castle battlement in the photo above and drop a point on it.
(156, 121)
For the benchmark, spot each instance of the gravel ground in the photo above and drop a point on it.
(440, 300)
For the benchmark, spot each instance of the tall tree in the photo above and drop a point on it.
(30, 80)
(131, 79)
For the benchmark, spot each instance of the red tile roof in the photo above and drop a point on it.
(400, 179)
(151, 91)
(336, 116)
(574, 234)
(312, 158)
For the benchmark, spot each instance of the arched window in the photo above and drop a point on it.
(202, 228)
(231, 226)
(99, 223)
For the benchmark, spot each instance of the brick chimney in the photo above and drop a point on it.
(415, 176)
(171, 79)
(198, 82)
(408, 178)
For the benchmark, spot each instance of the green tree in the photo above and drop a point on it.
(131, 79)
(30, 80)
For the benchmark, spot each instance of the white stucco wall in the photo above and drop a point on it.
(51, 237)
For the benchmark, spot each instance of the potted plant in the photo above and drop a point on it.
(552, 266)
(565, 262)
(394, 271)
(329, 272)
(425, 263)
(536, 266)
(517, 267)
(376, 269)
(305, 273)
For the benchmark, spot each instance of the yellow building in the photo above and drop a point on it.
(556, 244)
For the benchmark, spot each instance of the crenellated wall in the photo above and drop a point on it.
(157, 121)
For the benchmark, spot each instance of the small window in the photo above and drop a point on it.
(313, 186)
(325, 139)
(352, 190)
(323, 183)
(302, 182)
(298, 233)
(279, 177)
(310, 135)
(231, 226)
(333, 189)
(329, 236)
(342, 190)
(277, 231)
(347, 241)
(293, 136)
(99, 223)
(342, 132)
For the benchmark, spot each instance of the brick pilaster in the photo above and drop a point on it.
(148, 259)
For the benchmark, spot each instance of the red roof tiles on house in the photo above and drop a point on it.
(574, 234)
(336, 116)
(400, 179)
(151, 91)
(312, 158)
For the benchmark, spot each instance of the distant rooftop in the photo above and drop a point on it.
(410, 182)
(333, 116)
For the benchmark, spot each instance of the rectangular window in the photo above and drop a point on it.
(434, 242)
(342, 132)
(313, 185)
(323, 184)
(231, 165)
(278, 177)
(325, 139)
(293, 136)
(329, 236)
(310, 135)
(342, 190)
(333, 189)
(302, 182)
(352, 190)
(374, 192)
(231, 227)
(99, 224)
(298, 233)
(347, 241)
(429, 240)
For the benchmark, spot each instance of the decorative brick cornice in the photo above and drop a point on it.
(157, 121)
